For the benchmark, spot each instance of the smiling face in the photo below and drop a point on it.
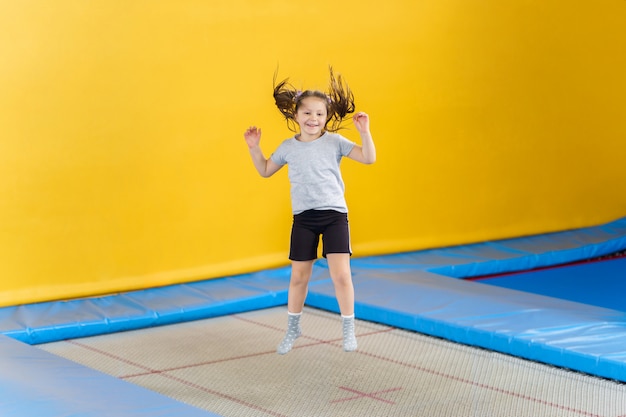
(311, 116)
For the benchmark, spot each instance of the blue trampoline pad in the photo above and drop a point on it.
(601, 283)
(36, 383)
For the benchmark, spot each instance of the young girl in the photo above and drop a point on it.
(317, 191)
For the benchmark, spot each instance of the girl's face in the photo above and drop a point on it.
(311, 117)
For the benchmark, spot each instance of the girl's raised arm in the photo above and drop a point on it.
(366, 152)
(265, 167)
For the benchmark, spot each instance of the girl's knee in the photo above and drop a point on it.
(342, 277)
(301, 272)
(299, 280)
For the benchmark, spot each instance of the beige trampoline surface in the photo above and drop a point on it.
(229, 366)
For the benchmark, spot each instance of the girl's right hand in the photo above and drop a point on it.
(252, 136)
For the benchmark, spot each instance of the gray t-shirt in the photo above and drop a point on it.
(314, 174)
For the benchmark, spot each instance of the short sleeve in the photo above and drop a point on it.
(345, 146)
(279, 155)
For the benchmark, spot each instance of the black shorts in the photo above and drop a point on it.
(307, 228)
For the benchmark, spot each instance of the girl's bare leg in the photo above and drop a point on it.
(341, 274)
(299, 284)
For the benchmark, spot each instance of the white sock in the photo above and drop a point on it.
(349, 339)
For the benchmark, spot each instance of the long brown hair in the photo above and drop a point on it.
(339, 101)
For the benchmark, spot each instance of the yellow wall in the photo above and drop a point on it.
(122, 161)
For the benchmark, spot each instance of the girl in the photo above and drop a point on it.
(317, 191)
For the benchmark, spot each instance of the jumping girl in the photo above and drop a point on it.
(319, 207)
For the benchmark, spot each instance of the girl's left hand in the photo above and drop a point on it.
(361, 122)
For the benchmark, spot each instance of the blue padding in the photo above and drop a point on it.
(558, 332)
(34, 382)
(53, 321)
(601, 284)
(538, 251)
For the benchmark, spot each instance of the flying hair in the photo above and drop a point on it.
(339, 101)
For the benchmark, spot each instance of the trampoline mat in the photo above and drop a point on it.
(228, 365)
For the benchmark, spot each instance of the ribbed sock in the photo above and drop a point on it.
(293, 332)
(349, 339)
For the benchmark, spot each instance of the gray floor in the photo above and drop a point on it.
(228, 365)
